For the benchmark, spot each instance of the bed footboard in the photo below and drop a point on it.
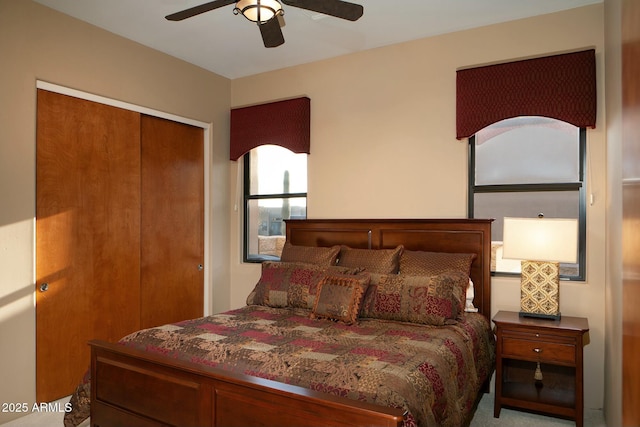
(130, 387)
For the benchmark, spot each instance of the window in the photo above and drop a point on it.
(275, 189)
(524, 166)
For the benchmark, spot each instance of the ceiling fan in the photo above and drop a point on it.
(265, 13)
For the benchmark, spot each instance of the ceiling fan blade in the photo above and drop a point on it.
(337, 8)
(271, 32)
(197, 10)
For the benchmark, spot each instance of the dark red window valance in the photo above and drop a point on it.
(285, 123)
(561, 86)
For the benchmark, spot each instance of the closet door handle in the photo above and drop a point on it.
(44, 287)
(200, 267)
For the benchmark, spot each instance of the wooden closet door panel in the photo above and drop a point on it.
(87, 234)
(172, 237)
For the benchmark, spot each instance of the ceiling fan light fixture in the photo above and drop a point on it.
(258, 10)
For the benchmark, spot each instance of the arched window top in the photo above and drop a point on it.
(527, 150)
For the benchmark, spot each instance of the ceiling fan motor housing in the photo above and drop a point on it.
(258, 10)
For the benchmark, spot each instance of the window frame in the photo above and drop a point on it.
(579, 186)
(247, 198)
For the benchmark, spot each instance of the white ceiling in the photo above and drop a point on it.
(231, 46)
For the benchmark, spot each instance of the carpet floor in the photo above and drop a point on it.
(512, 418)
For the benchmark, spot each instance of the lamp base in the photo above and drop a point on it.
(540, 315)
(540, 289)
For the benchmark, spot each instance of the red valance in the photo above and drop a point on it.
(285, 123)
(561, 86)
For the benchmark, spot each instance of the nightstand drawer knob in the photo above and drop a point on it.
(537, 350)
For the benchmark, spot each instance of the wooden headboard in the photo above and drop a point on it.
(433, 235)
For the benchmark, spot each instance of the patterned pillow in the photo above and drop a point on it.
(273, 287)
(302, 293)
(420, 263)
(431, 300)
(290, 284)
(310, 254)
(384, 261)
(339, 297)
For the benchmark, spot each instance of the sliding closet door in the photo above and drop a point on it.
(87, 234)
(172, 233)
(630, 212)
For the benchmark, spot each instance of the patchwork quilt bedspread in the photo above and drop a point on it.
(433, 372)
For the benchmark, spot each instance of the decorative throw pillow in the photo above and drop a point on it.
(310, 254)
(339, 297)
(276, 278)
(431, 263)
(431, 300)
(302, 293)
(290, 284)
(383, 261)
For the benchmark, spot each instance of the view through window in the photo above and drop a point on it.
(275, 189)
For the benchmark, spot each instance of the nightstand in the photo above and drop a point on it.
(556, 345)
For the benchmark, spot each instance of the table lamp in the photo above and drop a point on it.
(542, 244)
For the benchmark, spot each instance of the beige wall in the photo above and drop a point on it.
(383, 144)
(39, 43)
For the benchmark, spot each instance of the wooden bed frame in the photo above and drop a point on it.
(131, 387)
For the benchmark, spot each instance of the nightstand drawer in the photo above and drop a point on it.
(538, 350)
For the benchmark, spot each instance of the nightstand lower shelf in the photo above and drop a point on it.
(554, 396)
(519, 394)
(557, 387)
